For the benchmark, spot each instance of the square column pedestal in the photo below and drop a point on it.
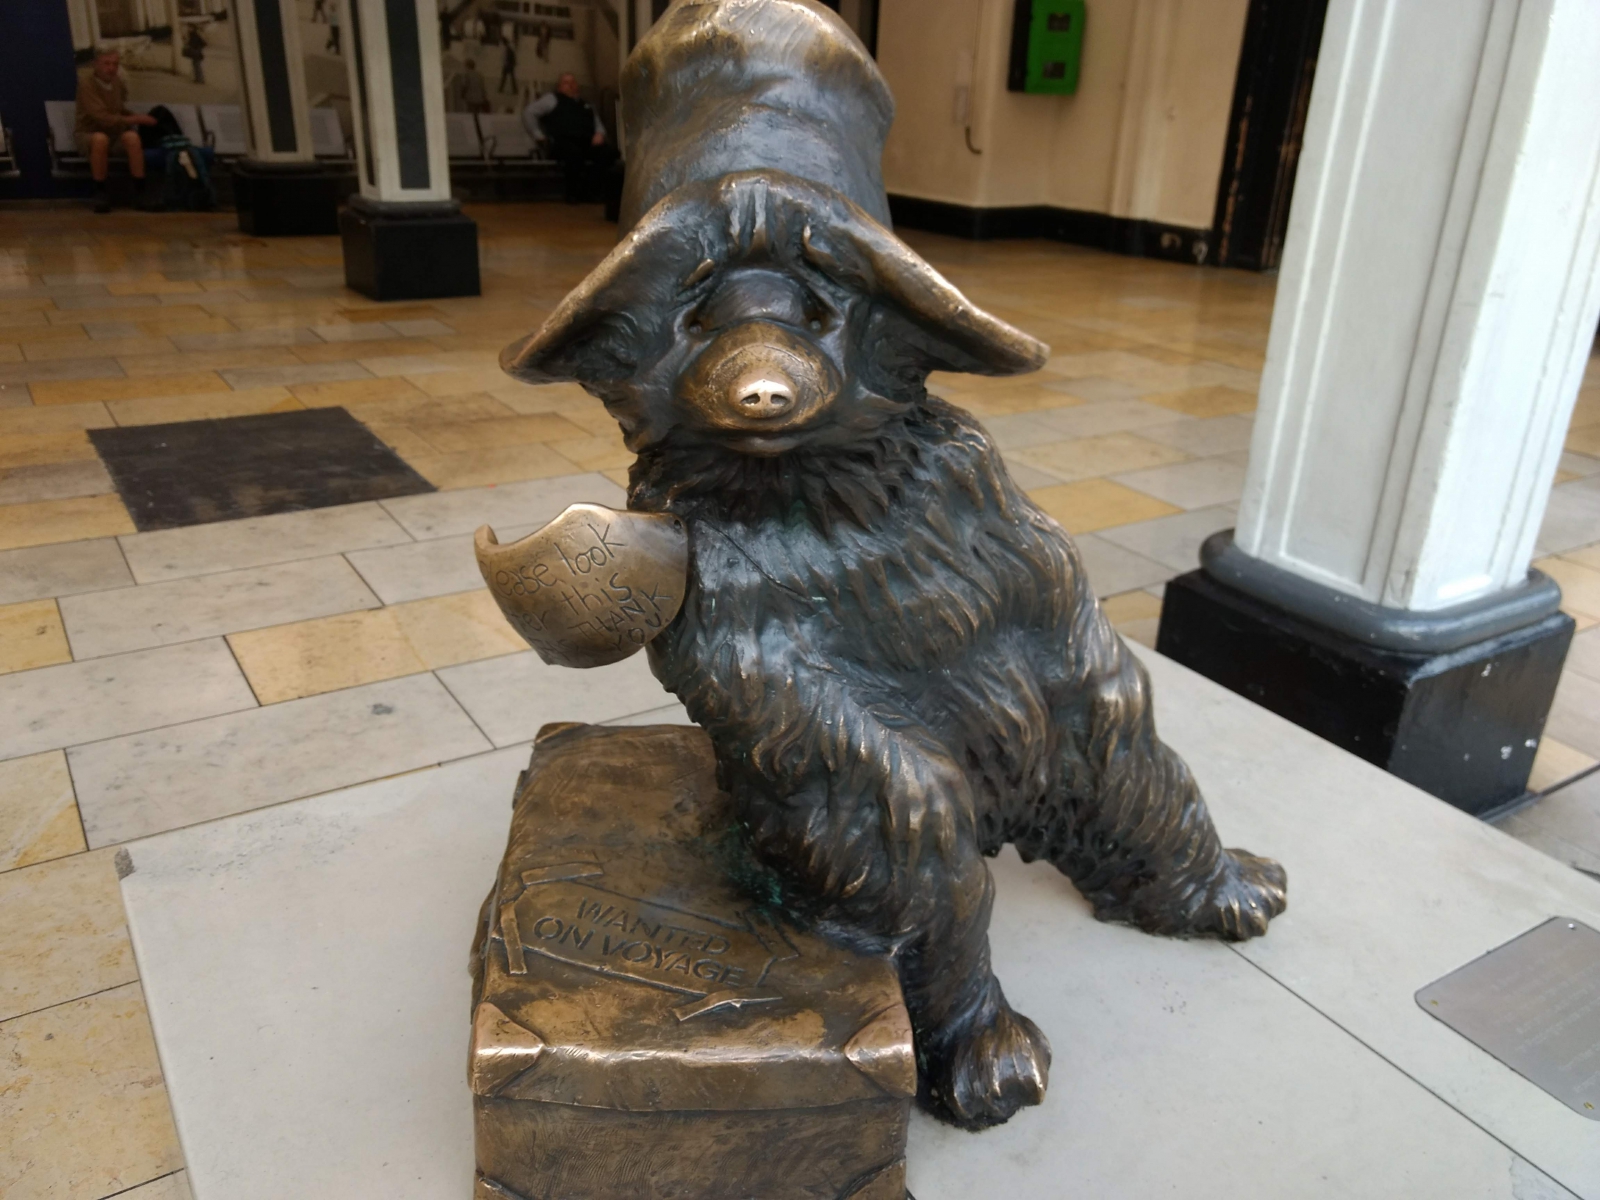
(293, 199)
(409, 250)
(1453, 701)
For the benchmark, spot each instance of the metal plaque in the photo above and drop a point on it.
(1534, 1004)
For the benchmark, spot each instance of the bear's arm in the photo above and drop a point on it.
(813, 741)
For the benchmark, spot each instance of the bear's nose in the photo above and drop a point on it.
(763, 395)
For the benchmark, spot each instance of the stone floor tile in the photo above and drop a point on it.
(161, 410)
(1137, 605)
(415, 367)
(1174, 541)
(38, 812)
(668, 714)
(1580, 466)
(389, 312)
(1580, 585)
(511, 697)
(53, 418)
(73, 297)
(421, 327)
(1572, 516)
(84, 1112)
(31, 636)
(288, 376)
(451, 437)
(1113, 569)
(259, 541)
(1205, 401)
(1205, 436)
(990, 402)
(417, 570)
(60, 570)
(1111, 416)
(1018, 431)
(81, 391)
(153, 285)
(76, 519)
(514, 505)
(1198, 484)
(185, 610)
(62, 934)
(44, 378)
(252, 337)
(33, 449)
(97, 301)
(1583, 443)
(503, 464)
(44, 331)
(346, 392)
(1086, 457)
(464, 627)
(1555, 763)
(181, 362)
(54, 481)
(596, 453)
(1575, 715)
(73, 703)
(369, 331)
(168, 1187)
(308, 658)
(136, 786)
(1578, 857)
(1094, 389)
(337, 352)
(67, 349)
(1583, 656)
(1091, 504)
(1567, 817)
(1584, 556)
(1022, 474)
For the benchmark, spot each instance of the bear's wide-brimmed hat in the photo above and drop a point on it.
(720, 86)
(755, 130)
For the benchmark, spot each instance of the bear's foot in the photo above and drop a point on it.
(1249, 891)
(986, 1071)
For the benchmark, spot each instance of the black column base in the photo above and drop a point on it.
(409, 251)
(288, 200)
(1462, 723)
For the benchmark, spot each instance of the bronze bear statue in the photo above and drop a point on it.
(897, 656)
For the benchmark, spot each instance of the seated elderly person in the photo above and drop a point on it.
(576, 135)
(105, 126)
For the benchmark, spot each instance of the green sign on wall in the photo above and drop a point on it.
(1046, 46)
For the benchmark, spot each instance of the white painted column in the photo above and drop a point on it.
(397, 90)
(1437, 301)
(272, 71)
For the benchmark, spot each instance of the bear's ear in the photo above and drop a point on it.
(935, 327)
(626, 312)
(623, 313)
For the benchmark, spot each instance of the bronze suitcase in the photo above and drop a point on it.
(642, 1029)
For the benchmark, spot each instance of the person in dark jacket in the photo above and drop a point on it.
(194, 49)
(576, 136)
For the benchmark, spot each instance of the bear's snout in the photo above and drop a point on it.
(764, 393)
(761, 385)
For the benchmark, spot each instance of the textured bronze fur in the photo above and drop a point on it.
(898, 657)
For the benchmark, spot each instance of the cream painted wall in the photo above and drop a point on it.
(1143, 137)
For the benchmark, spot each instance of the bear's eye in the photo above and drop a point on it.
(816, 325)
(695, 327)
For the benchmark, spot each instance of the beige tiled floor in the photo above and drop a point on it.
(153, 680)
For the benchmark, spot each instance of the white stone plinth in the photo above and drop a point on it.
(305, 967)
